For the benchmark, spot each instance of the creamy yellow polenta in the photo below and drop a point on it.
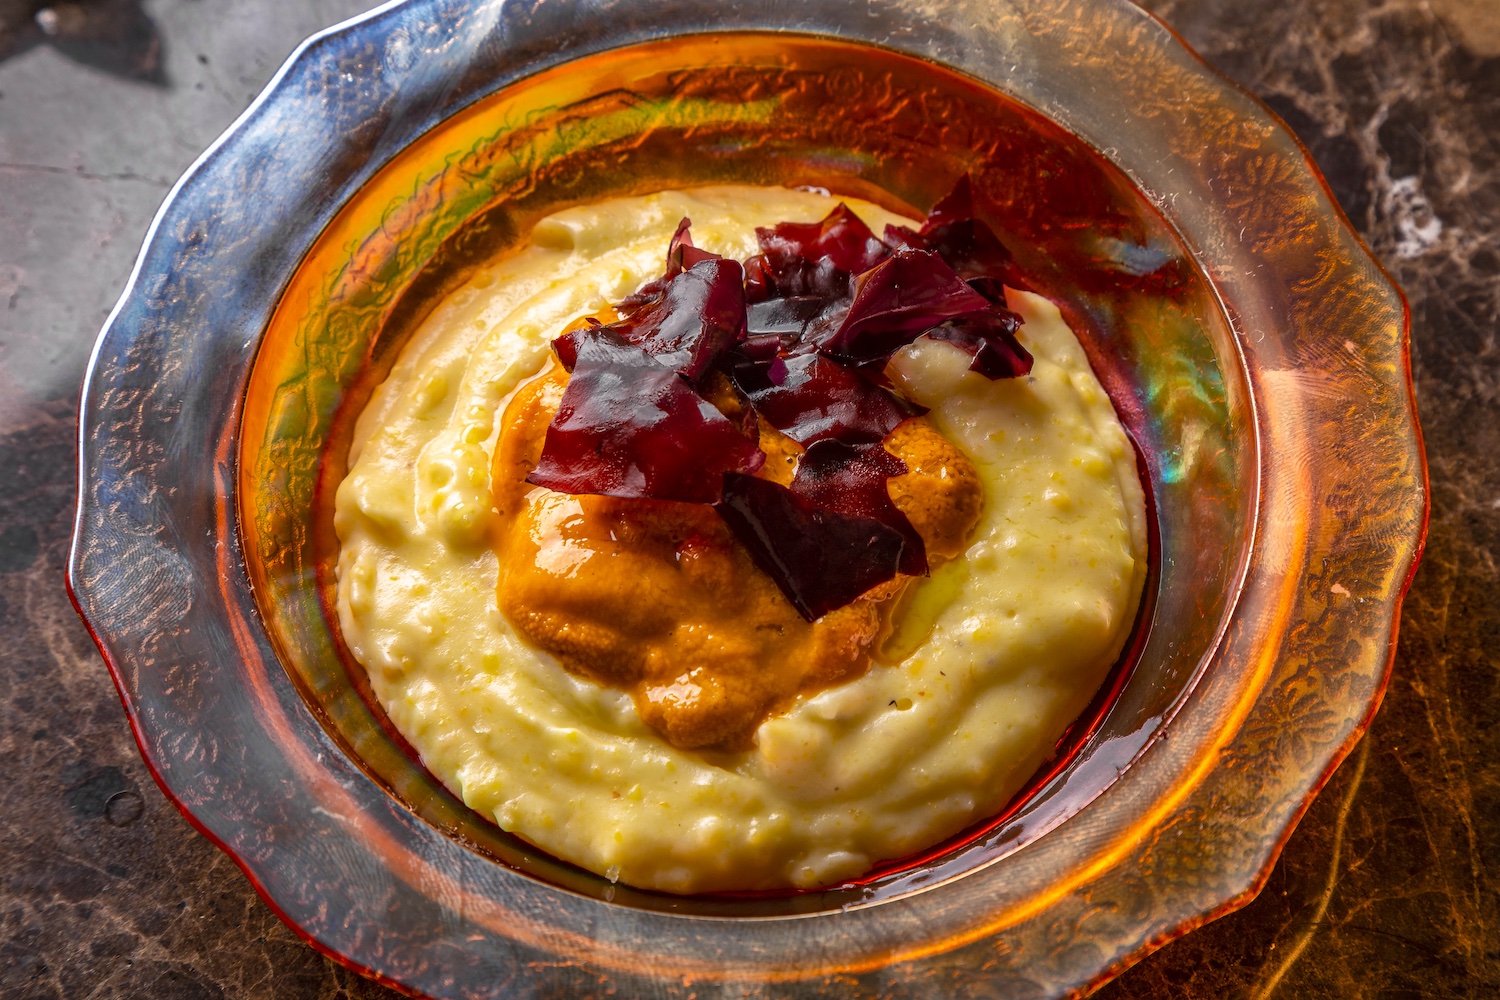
(994, 656)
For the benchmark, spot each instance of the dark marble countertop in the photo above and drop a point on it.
(1387, 889)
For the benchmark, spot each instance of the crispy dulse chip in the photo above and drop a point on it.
(841, 236)
(628, 426)
(992, 289)
(567, 344)
(817, 399)
(696, 315)
(990, 339)
(803, 330)
(812, 258)
(955, 233)
(680, 254)
(786, 318)
(821, 560)
(850, 479)
(895, 302)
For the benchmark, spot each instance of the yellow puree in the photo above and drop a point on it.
(486, 631)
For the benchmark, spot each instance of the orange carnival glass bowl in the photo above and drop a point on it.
(1255, 351)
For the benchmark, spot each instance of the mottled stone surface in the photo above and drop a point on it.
(1388, 887)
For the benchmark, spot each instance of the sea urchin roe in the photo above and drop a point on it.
(659, 598)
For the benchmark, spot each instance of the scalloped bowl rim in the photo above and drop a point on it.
(78, 588)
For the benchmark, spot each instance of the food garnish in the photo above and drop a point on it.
(678, 445)
(801, 332)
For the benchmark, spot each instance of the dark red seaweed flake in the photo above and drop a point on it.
(990, 339)
(629, 427)
(820, 559)
(566, 346)
(760, 347)
(817, 398)
(896, 302)
(760, 283)
(681, 254)
(954, 232)
(785, 317)
(820, 278)
(850, 479)
(991, 288)
(813, 258)
(841, 236)
(699, 313)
